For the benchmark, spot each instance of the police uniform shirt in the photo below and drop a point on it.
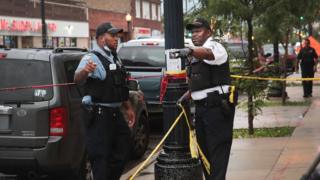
(220, 57)
(99, 72)
(307, 55)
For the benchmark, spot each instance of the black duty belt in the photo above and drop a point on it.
(206, 101)
(99, 109)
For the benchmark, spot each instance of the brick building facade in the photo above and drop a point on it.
(20, 23)
(145, 17)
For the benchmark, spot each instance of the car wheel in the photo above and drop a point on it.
(141, 137)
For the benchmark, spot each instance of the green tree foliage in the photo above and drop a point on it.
(243, 10)
(268, 21)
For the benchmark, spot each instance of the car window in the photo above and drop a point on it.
(21, 75)
(237, 50)
(70, 67)
(142, 56)
(268, 48)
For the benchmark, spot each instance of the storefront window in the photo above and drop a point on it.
(55, 42)
(61, 42)
(1, 42)
(49, 42)
(10, 41)
(67, 42)
(73, 42)
(27, 41)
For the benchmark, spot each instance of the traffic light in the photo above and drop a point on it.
(301, 18)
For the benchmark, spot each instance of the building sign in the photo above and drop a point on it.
(140, 32)
(25, 26)
(18, 26)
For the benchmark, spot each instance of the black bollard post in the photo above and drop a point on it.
(175, 161)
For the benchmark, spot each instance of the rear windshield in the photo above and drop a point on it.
(20, 75)
(142, 56)
(237, 50)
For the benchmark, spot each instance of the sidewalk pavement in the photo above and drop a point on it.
(285, 158)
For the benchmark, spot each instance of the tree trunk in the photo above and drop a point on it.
(250, 63)
(276, 50)
(284, 83)
(310, 29)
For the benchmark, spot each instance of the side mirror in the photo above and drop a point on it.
(133, 85)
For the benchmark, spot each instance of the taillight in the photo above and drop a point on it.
(3, 55)
(58, 121)
(150, 44)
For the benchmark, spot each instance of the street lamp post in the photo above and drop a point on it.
(175, 161)
(129, 20)
(43, 24)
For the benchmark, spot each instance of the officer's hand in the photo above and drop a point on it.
(90, 66)
(131, 117)
(184, 52)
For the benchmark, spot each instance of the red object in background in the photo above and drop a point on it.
(315, 44)
(165, 81)
(3, 55)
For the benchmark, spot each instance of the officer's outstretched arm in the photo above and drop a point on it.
(202, 53)
(83, 73)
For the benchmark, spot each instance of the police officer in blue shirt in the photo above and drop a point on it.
(104, 78)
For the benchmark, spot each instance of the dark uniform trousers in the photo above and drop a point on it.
(307, 72)
(214, 127)
(108, 143)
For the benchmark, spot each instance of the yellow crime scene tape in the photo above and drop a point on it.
(194, 146)
(195, 149)
(273, 79)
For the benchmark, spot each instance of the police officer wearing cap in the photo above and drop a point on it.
(209, 85)
(104, 78)
(308, 60)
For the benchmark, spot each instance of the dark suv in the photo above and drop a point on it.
(41, 125)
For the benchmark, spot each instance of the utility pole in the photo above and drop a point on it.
(175, 161)
(43, 24)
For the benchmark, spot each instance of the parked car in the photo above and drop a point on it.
(291, 58)
(41, 126)
(237, 50)
(145, 60)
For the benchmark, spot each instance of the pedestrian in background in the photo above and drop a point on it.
(209, 85)
(104, 77)
(308, 60)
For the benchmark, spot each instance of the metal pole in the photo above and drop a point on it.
(175, 161)
(129, 30)
(43, 24)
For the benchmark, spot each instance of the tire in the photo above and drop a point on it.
(141, 137)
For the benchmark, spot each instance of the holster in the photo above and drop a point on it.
(214, 99)
(88, 115)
